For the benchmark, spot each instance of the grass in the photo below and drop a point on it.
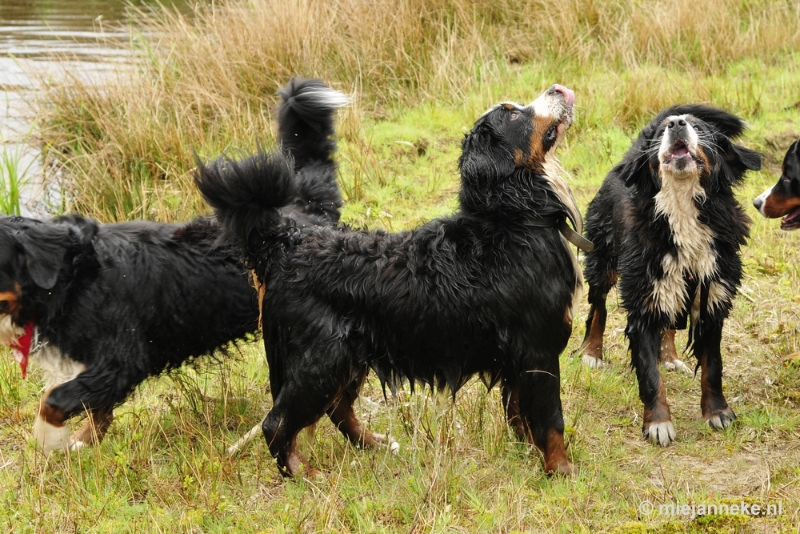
(14, 174)
(422, 72)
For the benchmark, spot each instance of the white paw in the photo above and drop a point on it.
(660, 433)
(50, 437)
(394, 447)
(677, 365)
(592, 362)
(722, 420)
(76, 445)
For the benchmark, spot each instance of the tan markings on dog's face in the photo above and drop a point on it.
(9, 300)
(776, 205)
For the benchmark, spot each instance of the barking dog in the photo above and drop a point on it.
(783, 198)
(488, 291)
(108, 305)
(666, 222)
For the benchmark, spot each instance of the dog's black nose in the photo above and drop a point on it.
(758, 202)
(680, 123)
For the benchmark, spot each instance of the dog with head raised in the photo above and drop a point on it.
(488, 291)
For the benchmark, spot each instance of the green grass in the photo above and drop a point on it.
(128, 148)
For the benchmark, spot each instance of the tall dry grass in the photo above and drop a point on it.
(207, 81)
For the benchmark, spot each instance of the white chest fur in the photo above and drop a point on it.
(695, 254)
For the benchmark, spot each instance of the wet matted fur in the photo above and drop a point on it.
(487, 291)
(666, 222)
(103, 306)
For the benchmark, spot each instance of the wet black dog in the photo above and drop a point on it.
(103, 306)
(667, 223)
(783, 198)
(488, 291)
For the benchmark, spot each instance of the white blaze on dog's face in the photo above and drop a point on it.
(678, 154)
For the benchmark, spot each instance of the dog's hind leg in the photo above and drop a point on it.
(533, 409)
(301, 400)
(592, 347)
(344, 418)
(669, 355)
(716, 411)
(645, 345)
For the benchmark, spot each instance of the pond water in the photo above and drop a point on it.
(45, 38)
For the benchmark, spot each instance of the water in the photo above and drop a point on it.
(45, 38)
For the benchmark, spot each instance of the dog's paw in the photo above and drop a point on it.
(76, 445)
(659, 433)
(50, 437)
(394, 447)
(592, 362)
(677, 365)
(563, 469)
(722, 419)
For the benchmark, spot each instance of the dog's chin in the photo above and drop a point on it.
(792, 220)
(681, 165)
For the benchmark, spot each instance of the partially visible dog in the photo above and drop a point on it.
(101, 307)
(783, 198)
(666, 222)
(488, 291)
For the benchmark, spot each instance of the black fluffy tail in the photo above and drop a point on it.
(252, 195)
(306, 128)
(247, 196)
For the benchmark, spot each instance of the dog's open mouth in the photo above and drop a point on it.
(679, 150)
(792, 220)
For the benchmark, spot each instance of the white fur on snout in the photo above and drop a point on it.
(50, 437)
(761, 200)
(668, 141)
(660, 433)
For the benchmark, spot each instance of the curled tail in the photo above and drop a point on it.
(247, 196)
(306, 133)
(252, 196)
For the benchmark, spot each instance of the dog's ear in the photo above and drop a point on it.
(744, 157)
(736, 160)
(635, 166)
(45, 246)
(44, 255)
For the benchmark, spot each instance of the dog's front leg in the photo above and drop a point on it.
(645, 342)
(712, 401)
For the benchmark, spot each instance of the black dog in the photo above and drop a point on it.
(666, 222)
(783, 198)
(488, 291)
(112, 304)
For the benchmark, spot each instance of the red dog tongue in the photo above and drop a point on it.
(22, 347)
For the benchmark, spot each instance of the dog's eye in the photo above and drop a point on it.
(514, 115)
